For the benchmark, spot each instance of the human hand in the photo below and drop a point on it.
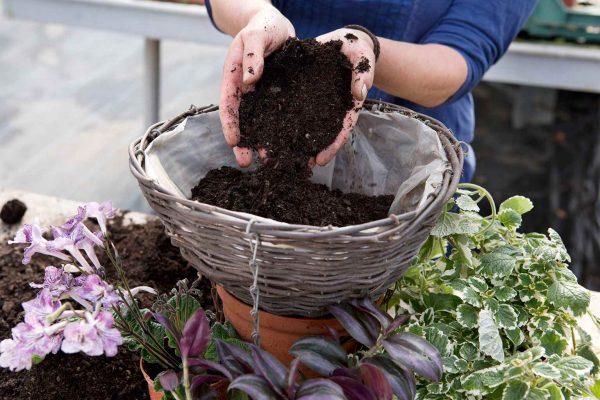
(358, 47)
(266, 31)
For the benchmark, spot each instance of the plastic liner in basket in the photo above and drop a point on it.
(299, 270)
(388, 153)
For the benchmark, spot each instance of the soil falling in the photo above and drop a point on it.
(297, 109)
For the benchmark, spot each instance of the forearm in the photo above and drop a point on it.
(423, 74)
(233, 15)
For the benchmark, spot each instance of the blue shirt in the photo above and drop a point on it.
(480, 30)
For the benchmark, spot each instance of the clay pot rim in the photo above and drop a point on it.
(266, 317)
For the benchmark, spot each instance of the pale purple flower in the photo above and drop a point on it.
(101, 212)
(38, 335)
(74, 236)
(94, 290)
(94, 336)
(32, 234)
(56, 280)
(14, 355)
(81, 336)
(42, 306)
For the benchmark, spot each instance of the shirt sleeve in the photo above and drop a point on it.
(210, 14)
(481, 31)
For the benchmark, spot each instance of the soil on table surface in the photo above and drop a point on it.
(12, 211)
(297, 109)
(148, 259)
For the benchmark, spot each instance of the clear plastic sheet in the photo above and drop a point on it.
(388, 153)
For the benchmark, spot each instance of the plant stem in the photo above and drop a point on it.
(186, 380)
(488, 196)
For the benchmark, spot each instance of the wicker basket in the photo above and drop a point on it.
(302, 269)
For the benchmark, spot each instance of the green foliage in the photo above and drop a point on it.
(504, 303)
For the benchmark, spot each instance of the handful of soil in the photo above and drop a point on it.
(296, 110)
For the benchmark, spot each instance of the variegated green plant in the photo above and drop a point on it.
(499, 305)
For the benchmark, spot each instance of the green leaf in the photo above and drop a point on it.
(555, 393)
(467, 203)
(438, 339)
(510, 218)
(470, 296)
(576, 364)
(553, 342)
(477, 283)
(506, 317)
(453, 224)
(490, 342)
(467, 316)
(557, 241)
(515, 390)
(596, 389)
(588, 353)
(515, 335)
(546, 370)
(441, 301)
(497, 265)
(569, 296)
(519, 204)
(538, 394)
(469, 351)
(504, 293)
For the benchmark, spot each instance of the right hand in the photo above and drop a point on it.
(265, 32)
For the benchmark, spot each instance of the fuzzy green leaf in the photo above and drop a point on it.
(453, 224)
(504, 293)
(520, 204)
(477, 283)
(569, 296)
(467, 203)
(469, 351)
(546, 370)
(510, 218)
(497, 265)
(515, 335)
(538, 394)
(490, 342)
(576, 364)
(506, 317)
(467, 316)
(471, 296)
(553, 342)
(515, 390)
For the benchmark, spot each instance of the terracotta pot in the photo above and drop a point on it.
(277, 333)
(220, 388)
(154, 395)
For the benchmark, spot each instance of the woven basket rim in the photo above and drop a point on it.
(365, 231)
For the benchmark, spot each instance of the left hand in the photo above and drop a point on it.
(355, 50)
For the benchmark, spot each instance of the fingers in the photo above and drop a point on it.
(253, 58)
(327, 155)
(243, 156)
(231, 92)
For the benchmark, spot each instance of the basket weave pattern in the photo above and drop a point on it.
(302, 269)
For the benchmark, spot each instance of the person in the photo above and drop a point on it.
(431, 53)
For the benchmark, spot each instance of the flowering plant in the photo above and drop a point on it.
(73, 308)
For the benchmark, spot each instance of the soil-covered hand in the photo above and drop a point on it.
(266, 31)
(358, 47)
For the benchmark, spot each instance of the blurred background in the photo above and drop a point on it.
(80, 79)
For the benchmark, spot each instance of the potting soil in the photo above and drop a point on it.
(297, 109)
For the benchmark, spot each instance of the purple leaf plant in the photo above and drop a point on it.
(73, 308)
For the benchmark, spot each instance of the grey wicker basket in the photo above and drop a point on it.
(302, 269)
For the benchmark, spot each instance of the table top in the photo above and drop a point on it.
(49, 210)
(560, 66)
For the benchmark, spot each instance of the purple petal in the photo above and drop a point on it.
(376, 380)
(168, 380)
(353, 389)
(320, 389)
(254, 386)
(270, 368)
(195, 335)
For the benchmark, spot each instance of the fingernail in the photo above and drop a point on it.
(364, 91)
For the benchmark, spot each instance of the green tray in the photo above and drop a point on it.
(552, 19)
